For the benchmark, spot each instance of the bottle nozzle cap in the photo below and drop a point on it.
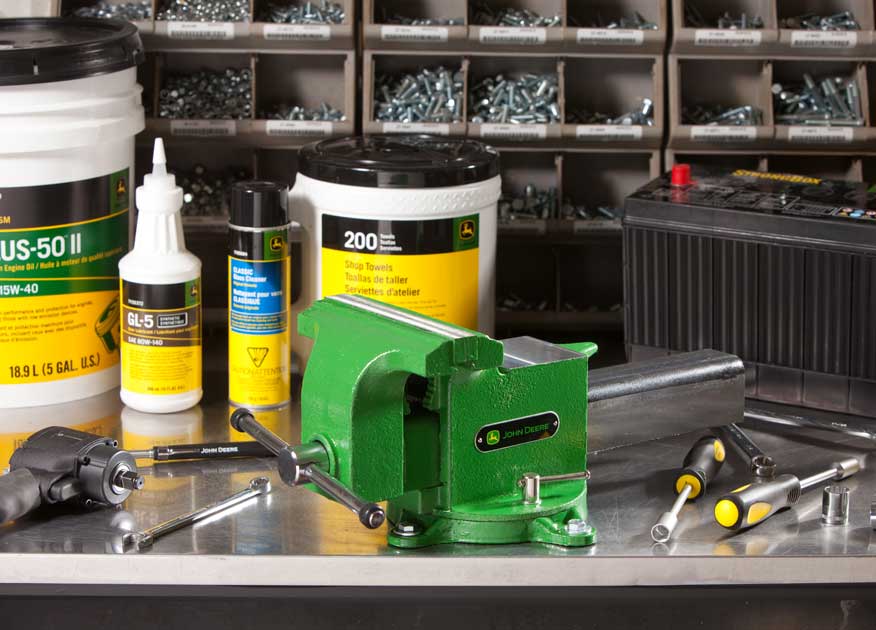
(159, 159)
(159, 192)
(159, 175)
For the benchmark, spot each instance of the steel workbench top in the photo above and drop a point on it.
(293, 537)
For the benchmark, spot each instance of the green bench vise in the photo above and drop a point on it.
(468, 439)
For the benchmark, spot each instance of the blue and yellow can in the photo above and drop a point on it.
(259, 268)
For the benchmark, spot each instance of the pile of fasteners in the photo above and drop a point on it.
(533, 204)
(485, 15)
(324, 12)
(405, 20)
(513, 302)
(844, 21)
(285, 111)
(745, 115)
(531, 98)
(429, 95)
(207, 94)
(642, 114)
(203, 11)
(636, 22)
(831, 100)
(130, 11)
(206, 193)
(572, 211)
(695, 19)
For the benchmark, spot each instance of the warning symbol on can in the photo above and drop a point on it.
(257, 355)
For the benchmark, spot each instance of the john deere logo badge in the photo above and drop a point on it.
(121, 187)
(257, 355)
(276, 243)
(539, 426)
(466, 230)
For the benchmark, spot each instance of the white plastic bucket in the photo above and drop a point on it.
(66, 173)
(378, 222)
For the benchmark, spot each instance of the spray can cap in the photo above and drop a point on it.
(259, 204)
(159, 192)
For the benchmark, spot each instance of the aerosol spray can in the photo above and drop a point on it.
(259, 355)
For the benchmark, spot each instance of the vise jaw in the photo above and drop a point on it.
(449, 426)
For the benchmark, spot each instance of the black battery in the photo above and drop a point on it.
(777, 269)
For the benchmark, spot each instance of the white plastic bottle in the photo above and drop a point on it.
(161, 302)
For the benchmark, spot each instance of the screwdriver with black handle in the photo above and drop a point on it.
(754, 503)
(700, 466)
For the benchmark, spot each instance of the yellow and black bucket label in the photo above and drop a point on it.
(429, 266)
(259, 356)
(60, 246)
(161, 337)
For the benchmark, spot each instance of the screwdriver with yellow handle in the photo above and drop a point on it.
(754, 503)
(700, 466)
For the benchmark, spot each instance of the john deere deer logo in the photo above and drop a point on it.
(466, 230)
(276, 243)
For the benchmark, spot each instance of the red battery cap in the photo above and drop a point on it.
(680, 175)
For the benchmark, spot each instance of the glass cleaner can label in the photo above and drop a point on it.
(259, 354)
(161, 337)
(60, 246)
(429, 266)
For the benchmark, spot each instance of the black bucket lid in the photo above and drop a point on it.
(259, 204)
(43, 50)
(399, 161)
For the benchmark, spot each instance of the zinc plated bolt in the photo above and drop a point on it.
(527, 99)
(483, 14)
(130, 11)
(746, 115)
(204, 11)
(407, 529)
(577, 526)
(430, 95)
(832, 100)
(294, 13)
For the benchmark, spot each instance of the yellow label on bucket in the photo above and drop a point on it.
(60, 246)
(427, 266)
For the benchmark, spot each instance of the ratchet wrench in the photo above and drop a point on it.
(762, 465)
(141, 540)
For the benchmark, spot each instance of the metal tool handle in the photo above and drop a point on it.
(370, 515)
(305, 463)
(837, 471)
(257, 487)
(210, 450)
(531, 484)
(841, 424)
(762, 465)
(242, 420)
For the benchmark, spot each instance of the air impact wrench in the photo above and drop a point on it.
(56, 465)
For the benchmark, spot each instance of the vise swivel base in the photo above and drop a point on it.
(468, 439)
